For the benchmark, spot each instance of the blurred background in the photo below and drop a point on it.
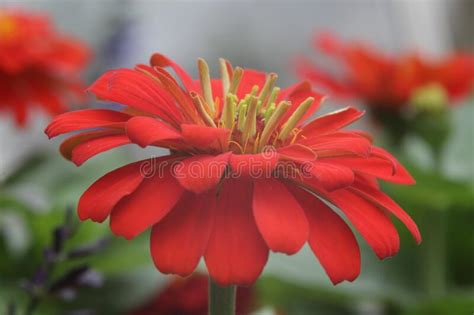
(37, 185)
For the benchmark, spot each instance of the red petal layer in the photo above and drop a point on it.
(296, 94)
(385, 202)
(370, 221)
(203, 137)
(179, 240)
(91, 147)
(86, 119)
(150, 202)
(331, 122)
(254, 165)
(331, 240)
(147, 130)
(279, 217)
(297, 153)
(202, 172)
(381, 168)
(236, 252)
(160, 60)
(136, 89)
(249, 79)
(81, 147)
(97, 201)
(330, 176)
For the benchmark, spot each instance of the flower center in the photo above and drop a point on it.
(255, 120)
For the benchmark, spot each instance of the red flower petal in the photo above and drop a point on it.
(279, 217)
(86, 119)
(400, 175)
(202, 172)
(180, 239)
(331, 122)
(254, 165)
(297, 153)
(330, 176)
(99, 199)
(91, 147)
(382, 200)
(249, 79)
(296, 94)
(236, 252)
(203, 137)
(375, 166)
(306, 69)
(370, 221)
(160, 60)
(136, 89)
(147, 130)
(79, 148)
(343, 146)
(331, 240)
(150, 202)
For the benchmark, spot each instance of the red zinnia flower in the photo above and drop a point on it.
(222, 193)
(189, 296)
(38, 67)
(387, 82)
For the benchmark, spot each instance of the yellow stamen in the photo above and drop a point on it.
(250, 120)
(225, 76)
(271, 78)
(253, 92)
(237, 145)
(228, 113)
(242, 112)
(234, 85)
(295, 118)
(256, 144)
(198, 101)
(205, 80)
(273, 122)
(269, 111)
(273, 96)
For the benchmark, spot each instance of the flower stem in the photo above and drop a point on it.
(435, 242)
(221, 299)
(435, 254)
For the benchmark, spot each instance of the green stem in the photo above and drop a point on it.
(221, 299)
(435, 253)
(435, 244)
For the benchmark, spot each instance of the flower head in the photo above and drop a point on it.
(38, 67)
(247, 171)
(389, 83)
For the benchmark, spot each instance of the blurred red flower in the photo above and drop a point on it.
(383, 81)
(38, 66)
(246, 171)
(189, 296)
